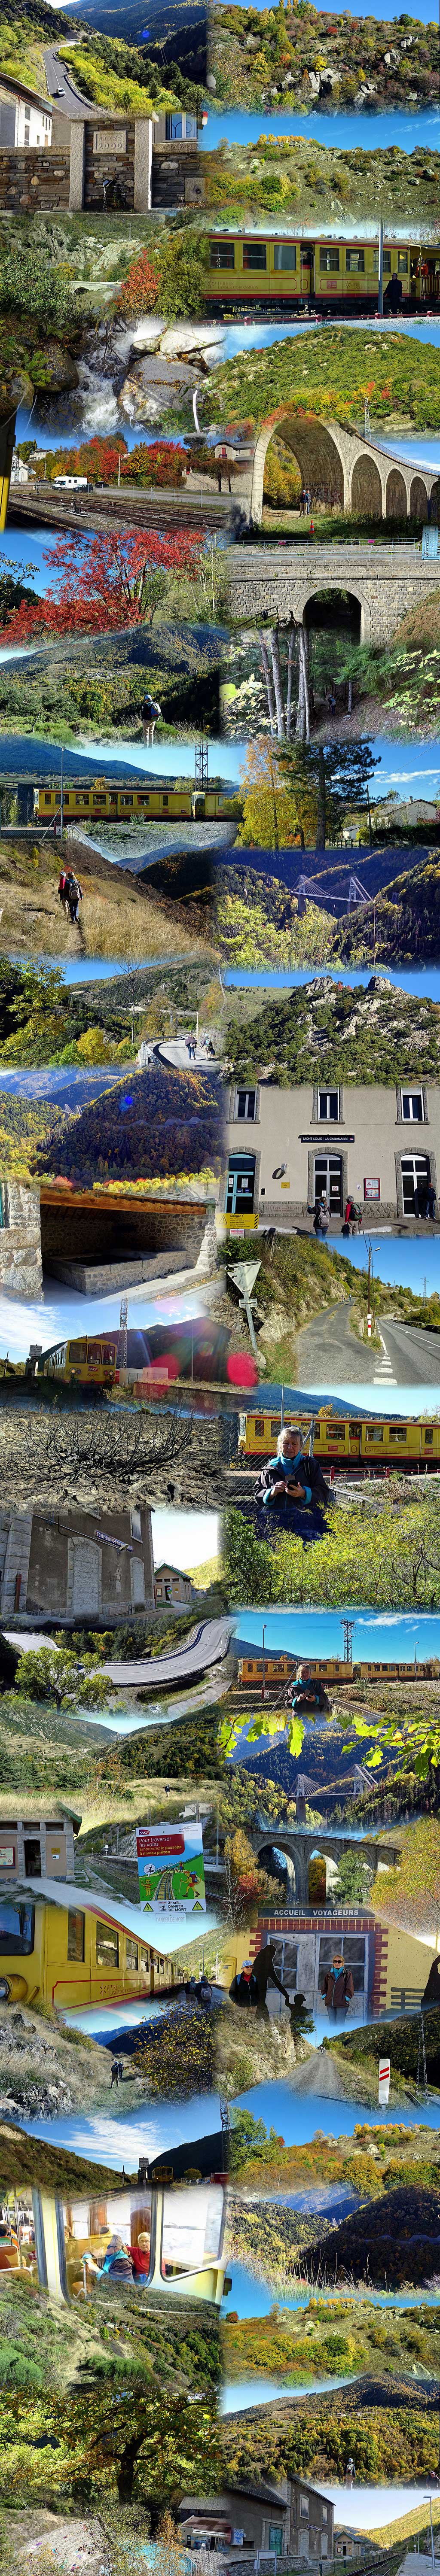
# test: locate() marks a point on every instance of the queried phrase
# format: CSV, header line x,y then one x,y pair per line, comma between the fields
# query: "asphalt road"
x,y
207,1645
70,104
330,1355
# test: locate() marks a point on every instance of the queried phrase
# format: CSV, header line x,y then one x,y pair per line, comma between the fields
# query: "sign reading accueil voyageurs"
x,y
171,1869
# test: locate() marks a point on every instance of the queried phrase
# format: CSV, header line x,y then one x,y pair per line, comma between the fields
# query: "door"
x,y
415,1183
86,1590
307,268
328,1181
137,1583
240,1185
32,1858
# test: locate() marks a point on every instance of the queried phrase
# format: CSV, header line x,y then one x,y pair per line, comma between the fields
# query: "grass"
x,y
307,181
412,1893
116,919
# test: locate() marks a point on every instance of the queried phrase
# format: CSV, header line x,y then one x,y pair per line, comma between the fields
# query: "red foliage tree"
x,y
139,291
115,580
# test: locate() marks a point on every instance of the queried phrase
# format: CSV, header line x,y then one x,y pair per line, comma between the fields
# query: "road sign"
x,y
384,2079
244,1274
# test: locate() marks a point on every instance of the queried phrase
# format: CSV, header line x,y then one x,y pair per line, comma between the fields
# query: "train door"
x,y
415,1183
307,268
328,1182
198,807
240,1185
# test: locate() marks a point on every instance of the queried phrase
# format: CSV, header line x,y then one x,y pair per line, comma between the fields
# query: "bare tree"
x,y
280,715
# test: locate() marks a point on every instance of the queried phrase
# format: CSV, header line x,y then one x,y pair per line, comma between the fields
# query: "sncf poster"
x,y
171,1871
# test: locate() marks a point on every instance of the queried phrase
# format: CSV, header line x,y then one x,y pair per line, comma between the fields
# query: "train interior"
x,y
144,2238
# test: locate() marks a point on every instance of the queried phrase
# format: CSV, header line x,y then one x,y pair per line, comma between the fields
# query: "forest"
x,y
398,926
67,2371
316,2441
166,1127
396,686
346,2335
360,62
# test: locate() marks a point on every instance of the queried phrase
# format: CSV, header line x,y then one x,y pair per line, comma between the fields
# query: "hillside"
x,y
301,180
330,376
355,62
122,915
323,1028
406,920
365,2047
82,687
104,68
167,1125
396,2239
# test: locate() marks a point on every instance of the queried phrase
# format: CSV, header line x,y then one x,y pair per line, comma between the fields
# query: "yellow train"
x,y
100,803
71,1954
249,269
340,1442
326,1668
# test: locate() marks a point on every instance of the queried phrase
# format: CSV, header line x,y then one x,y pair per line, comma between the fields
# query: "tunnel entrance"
x,y
336,611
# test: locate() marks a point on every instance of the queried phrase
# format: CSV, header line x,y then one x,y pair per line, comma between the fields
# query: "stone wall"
x,y
386,585
32,177
20,1241
115,161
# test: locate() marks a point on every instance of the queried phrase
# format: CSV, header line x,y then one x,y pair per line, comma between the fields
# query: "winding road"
x,y
70,102
207,1644
329,1354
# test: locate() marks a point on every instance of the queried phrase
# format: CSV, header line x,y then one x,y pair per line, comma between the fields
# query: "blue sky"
x,y
53,1317
405,1262
392,1634
342,131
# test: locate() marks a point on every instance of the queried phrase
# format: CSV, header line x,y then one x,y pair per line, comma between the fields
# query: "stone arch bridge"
x,y
302,1841
357,474
383,582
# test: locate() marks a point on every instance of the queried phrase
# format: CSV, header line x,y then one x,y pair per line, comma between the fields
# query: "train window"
x,y
165,800
274,1428
387,263
328,1104
259,1429
76,1928
355,262
77,1350
245,1104
222,254
375,1431
131,1953
397,1431
192,2231
284,255
48,795
413,1107
402,263
254,254
328,259
16,1926
107,1945
428,1432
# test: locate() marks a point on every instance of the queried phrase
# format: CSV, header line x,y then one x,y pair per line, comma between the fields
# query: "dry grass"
x,y
116,920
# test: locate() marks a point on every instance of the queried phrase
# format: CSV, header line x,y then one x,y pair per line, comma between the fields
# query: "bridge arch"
x,y
319,454
396,496
418,498
366,487
360,607
435,503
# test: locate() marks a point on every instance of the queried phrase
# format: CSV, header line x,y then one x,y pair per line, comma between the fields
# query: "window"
x,y
413,1107
275,2537
135,1524
131,1953
165,801
285,255
402,263
254,254
374,1431
398,1431
304,2507
107,1946
386,263
328,1104
328,259
16,1927
328,1181
173,129
245,1104
428,1434
222,254
355,262
76,1926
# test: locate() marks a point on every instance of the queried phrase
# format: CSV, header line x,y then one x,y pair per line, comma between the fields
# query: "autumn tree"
x,y
116,579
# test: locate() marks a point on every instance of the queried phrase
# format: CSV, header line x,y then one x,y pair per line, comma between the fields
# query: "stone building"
x,y
286,1150
290,2520
56,1565
95,159
38,1849
171,1588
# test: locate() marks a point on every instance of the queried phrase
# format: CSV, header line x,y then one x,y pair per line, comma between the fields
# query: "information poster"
x,y
171,1869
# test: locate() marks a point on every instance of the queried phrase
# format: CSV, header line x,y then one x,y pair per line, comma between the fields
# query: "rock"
x,y
211,81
